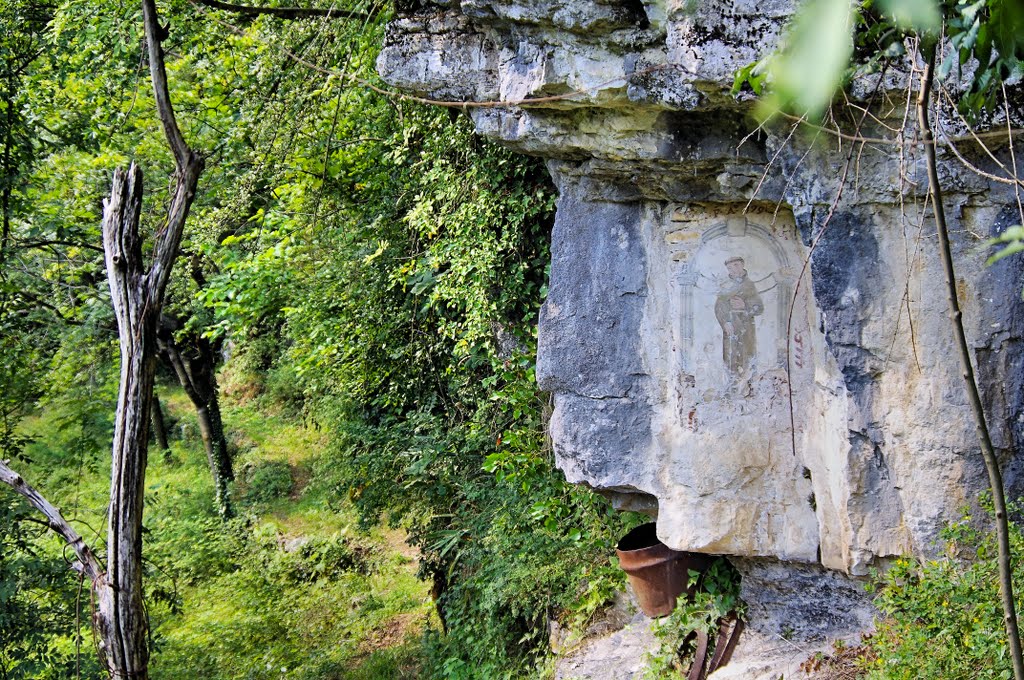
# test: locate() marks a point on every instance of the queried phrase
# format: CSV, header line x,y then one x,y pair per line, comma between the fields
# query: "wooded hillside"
x,y
353,262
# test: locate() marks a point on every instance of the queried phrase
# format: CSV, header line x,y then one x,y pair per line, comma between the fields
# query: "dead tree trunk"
x,y
120,615
137,297
159,429
195,365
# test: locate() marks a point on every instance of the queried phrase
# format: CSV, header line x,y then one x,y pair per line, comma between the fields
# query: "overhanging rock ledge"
x,y
681,315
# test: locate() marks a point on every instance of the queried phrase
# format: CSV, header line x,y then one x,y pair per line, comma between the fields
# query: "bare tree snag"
x,y
120,616
137,298
970,384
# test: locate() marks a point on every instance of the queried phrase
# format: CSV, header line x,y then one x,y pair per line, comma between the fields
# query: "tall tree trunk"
x,y
159,430
195,367
120,614
970,384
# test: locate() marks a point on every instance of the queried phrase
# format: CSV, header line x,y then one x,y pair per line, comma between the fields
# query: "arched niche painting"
x,y
734,287
729,474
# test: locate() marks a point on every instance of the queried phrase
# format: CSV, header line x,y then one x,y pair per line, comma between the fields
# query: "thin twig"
x,y
792,176
764,175
945,141
800,277
970,383
78,628
975,135
288,12
905,299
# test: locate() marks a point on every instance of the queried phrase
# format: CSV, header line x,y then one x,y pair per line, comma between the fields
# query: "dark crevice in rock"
x,y
708,134
847,279
407,7
638,13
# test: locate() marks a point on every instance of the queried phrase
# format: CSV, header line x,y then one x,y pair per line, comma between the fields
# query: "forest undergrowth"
x,y
292,587
376,271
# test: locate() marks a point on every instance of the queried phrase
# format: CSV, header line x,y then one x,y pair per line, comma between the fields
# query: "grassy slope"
x,y
290,588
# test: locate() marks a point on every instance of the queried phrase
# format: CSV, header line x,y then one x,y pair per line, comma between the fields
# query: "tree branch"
x,y
36,300
50,242
189,163
289,12
88,563
121,241
176,362
158,73
970,383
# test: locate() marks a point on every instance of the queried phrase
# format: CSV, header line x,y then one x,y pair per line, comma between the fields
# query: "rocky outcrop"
x,y
746,330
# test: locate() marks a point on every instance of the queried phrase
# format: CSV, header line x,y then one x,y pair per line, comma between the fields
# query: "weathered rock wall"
x,y
746,330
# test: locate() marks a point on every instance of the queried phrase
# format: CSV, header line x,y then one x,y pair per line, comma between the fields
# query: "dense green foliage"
x,y
942,617
413,345
290,583
373,268
289,588
37,600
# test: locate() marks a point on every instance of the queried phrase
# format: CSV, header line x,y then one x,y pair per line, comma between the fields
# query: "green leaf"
x,y
820,42
1011,249
948,63
921,16
970,12
1014,233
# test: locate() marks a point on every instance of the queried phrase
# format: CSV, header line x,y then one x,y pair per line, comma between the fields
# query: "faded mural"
x,y
738,303
724,425
737,273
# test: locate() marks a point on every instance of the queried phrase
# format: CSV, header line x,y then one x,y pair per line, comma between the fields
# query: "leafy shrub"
x,y
37,601
943,617
267,481
320,558
718,596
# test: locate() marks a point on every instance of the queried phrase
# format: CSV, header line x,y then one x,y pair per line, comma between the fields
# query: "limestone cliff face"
x,y
745,332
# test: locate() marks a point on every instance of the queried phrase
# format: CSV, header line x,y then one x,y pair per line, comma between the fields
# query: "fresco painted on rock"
x,y
731,477
737,305
735,290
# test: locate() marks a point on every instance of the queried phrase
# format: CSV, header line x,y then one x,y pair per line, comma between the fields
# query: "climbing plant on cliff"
x,y
975,46
408,333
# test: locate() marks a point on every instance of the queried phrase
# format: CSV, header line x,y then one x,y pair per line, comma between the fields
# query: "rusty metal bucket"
x,y
658,574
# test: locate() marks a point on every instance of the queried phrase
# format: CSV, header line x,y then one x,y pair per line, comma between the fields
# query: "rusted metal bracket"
x,y
729,629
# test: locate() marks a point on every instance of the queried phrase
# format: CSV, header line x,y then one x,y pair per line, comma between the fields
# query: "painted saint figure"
x,y
735,308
